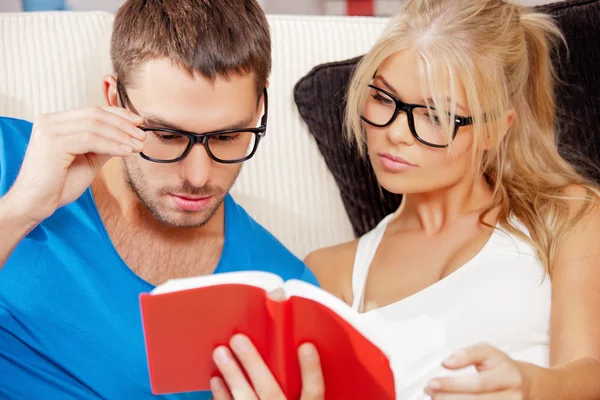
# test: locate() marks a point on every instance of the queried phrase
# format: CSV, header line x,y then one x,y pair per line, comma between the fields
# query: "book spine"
x,y
280,343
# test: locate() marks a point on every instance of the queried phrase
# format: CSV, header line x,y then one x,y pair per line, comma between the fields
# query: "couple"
x,y
453,106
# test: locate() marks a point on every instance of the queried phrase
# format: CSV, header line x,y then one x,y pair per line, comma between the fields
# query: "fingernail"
x,y
137,144
240,343
140,134
215,385
277,295
434,385
126,148
308,352
454,358
220,355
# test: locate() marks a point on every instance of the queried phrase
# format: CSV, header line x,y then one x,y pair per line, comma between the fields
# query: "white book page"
x,y
298,288
302,289
263,280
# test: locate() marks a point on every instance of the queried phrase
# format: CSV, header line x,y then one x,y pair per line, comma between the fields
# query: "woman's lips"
x,y
395,163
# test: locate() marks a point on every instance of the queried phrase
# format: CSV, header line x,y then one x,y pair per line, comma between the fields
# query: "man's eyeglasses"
x,y
165,145
382,108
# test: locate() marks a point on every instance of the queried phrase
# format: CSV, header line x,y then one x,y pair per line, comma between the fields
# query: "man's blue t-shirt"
x,y
70,325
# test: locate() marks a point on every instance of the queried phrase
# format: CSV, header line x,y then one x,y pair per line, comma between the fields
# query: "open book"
x,y
184,320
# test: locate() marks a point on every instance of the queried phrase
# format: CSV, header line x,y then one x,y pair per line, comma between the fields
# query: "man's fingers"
x,y
90,112
95,120
74,130
124,113
313,385
262,379
219,390
233,375
92,143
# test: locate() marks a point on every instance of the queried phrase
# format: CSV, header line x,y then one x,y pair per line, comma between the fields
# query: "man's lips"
x,y
190,203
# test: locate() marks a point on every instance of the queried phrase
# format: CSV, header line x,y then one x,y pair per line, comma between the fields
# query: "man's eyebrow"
x,y
154,121
429,100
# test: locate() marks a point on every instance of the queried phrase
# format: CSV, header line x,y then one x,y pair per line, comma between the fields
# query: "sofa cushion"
x,y
320,98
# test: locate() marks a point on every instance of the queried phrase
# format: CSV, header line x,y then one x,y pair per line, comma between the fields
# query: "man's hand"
x,y
66,151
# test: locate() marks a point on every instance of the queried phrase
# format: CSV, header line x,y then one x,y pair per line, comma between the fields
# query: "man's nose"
x,y
196,167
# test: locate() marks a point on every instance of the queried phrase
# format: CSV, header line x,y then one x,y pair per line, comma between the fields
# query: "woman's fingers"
x,y
263,384
262,379
313,385
219,390
233,375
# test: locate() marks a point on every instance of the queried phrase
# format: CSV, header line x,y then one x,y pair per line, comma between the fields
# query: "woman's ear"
x,y
511,115
109,90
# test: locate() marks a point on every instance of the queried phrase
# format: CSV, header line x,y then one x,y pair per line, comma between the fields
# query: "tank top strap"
x,y
365,252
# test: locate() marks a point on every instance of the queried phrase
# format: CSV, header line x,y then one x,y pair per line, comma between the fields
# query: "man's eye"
x,y
226,138
167,137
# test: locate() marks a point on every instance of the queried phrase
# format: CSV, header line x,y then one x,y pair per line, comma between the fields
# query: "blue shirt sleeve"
x,y
14,136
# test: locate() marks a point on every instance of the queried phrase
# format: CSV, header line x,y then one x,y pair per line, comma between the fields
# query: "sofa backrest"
x,y
55,61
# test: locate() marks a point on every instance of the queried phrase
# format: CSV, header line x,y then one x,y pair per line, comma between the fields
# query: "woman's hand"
x,y
499,377
262,384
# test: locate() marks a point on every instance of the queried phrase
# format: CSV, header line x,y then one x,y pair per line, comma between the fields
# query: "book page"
x,y
260,279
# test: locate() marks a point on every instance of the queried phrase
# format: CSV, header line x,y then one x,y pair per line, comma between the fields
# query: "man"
x,y
101,204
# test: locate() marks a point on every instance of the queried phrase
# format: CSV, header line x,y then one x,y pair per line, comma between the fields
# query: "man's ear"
x,y
109,90
510,120
261,102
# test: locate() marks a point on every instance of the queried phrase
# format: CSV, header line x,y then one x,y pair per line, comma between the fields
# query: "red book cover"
x,y
183,327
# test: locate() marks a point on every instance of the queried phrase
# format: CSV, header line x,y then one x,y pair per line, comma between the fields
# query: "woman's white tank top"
x,y
502,296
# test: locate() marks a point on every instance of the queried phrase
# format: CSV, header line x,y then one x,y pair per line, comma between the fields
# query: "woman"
x,y
496,235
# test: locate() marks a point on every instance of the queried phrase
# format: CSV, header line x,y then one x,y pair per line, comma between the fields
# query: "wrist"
x,y
15,215
537,382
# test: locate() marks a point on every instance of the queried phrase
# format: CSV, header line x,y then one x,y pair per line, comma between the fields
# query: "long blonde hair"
x,y
501,53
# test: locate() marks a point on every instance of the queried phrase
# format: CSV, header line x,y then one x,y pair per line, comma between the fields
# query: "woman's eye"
x,y
381,99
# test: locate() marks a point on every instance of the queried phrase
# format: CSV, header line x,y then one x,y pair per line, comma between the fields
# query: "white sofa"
x,y
55,61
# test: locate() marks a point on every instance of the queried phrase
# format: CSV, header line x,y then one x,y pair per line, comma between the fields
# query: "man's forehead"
x,y
163,70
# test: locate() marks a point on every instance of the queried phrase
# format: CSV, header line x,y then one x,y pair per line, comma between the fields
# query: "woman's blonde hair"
x,y
501,53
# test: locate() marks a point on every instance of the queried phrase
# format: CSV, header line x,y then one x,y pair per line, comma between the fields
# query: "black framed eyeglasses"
x,y
382,108
231,146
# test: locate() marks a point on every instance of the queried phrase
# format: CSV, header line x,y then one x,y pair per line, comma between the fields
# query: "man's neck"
x,y
154,251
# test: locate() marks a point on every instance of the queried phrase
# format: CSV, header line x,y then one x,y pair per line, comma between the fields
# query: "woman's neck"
x,y
432,211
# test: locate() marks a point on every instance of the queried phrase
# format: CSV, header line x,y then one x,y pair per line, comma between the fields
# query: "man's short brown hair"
x,y
210,37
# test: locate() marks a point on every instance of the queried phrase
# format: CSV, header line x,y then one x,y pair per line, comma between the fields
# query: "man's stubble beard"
x,y
137,183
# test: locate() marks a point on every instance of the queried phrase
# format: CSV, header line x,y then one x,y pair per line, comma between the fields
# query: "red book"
x,y
185,320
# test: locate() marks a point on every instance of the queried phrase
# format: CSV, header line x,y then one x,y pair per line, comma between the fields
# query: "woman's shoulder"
x,y
333,266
